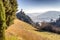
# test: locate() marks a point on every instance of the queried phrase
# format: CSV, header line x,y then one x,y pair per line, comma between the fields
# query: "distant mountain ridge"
x,y
45,16
50,14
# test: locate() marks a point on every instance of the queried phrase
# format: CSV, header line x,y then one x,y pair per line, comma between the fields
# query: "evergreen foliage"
x,y
2,21
10,10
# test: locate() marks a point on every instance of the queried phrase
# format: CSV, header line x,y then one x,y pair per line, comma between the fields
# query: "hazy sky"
x,y
38,6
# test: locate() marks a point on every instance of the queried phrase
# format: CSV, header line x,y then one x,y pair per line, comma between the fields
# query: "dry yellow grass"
x,y
23,25
51,36
23,30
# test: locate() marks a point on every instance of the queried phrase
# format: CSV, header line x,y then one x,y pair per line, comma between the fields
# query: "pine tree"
x,y
2,21
13,10
10,10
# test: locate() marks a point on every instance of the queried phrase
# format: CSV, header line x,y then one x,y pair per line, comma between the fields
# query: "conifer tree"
x,y
2,21
10,10
13,11
7,10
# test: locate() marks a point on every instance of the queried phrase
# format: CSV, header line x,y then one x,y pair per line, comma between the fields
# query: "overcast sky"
x,y
38,6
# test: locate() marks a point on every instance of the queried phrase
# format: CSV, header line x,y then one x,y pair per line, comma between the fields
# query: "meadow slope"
x,y
24,31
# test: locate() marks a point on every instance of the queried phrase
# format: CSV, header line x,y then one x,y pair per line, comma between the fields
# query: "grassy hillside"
x,y
23,31
49,35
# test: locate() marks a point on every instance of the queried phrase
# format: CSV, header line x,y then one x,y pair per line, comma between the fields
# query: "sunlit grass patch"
x,y
27,32
51,36
11,38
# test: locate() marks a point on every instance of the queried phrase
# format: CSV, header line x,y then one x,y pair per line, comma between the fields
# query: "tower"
x,y
21,11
